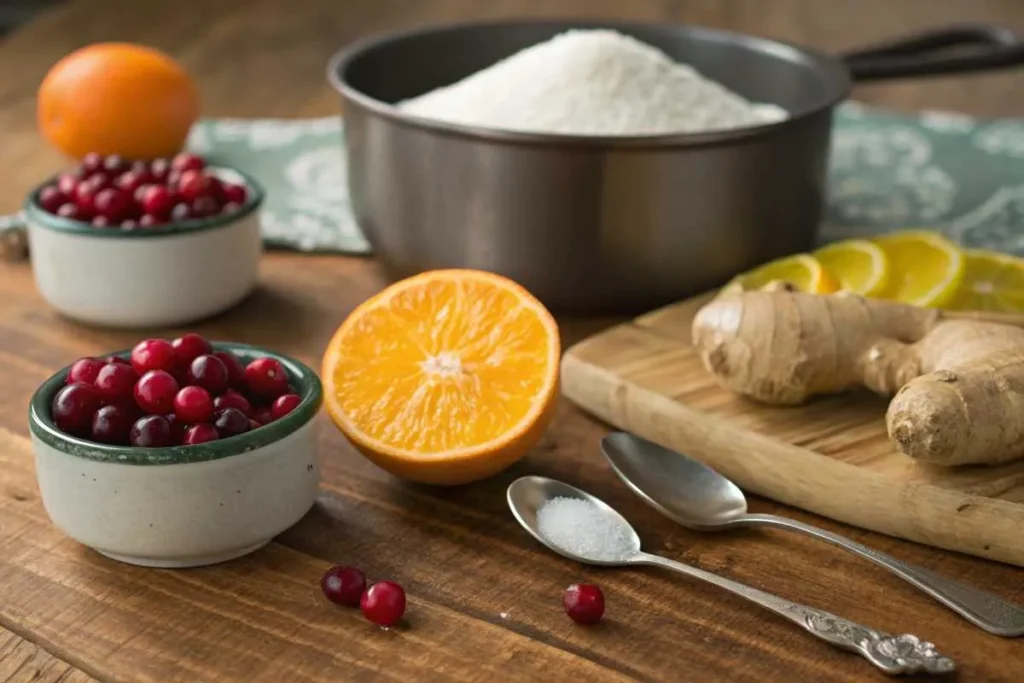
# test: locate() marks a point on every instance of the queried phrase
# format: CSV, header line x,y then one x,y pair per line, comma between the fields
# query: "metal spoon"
x,y
700,498
892,654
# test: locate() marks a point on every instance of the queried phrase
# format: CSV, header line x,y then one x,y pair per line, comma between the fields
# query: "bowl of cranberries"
x,y
177,453
145,243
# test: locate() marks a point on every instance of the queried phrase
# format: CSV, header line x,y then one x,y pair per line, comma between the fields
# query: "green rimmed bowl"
x,y
181,506
153,277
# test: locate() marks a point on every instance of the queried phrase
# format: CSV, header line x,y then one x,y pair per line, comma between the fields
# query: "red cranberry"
x,y
111,425
85,196
129,224
113,165
112,204
264,416
84,370
92,162
203,207
284,404
51,198
208,371
153,354
231,421
200,433
151,431
157,201
187,161
195,184
97,181
584,603
189,346
181,212
173,180
155,392
73,408
232,399
383,603
115,382
343,585
67,183
149,221
193,404
236,372
234,193
159,168
100,222
117,360
266,377
129,182
71,211
178,428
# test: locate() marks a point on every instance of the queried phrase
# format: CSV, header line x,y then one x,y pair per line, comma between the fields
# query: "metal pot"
x,y
609,224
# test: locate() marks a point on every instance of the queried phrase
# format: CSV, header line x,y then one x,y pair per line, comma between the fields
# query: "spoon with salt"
x,y
581,527
691,493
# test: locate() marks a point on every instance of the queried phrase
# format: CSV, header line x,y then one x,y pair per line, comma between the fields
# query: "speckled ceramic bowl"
x,y
162,276
181,506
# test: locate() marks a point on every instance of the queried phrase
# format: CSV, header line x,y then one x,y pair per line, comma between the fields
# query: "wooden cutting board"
x,y
831,457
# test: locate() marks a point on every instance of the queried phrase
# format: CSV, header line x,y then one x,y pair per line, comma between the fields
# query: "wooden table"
x,y
484,598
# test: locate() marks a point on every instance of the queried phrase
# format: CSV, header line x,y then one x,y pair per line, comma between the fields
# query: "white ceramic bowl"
x,y
154,277
181,506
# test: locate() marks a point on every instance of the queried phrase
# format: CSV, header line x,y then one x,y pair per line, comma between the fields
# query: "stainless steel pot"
x,y
609,224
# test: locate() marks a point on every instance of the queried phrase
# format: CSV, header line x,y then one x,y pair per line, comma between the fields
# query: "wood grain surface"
x,y
484,598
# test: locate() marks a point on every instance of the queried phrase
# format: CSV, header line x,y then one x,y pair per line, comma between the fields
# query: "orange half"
x,y
446,377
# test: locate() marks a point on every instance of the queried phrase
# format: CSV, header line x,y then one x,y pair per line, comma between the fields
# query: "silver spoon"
x,y
700,498
892,654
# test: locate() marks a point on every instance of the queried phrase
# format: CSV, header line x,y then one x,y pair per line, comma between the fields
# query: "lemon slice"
x,y
803,271
925,269
992,282
859,266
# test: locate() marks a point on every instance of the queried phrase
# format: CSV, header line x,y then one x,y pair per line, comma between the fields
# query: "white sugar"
x,y
591,82
581,528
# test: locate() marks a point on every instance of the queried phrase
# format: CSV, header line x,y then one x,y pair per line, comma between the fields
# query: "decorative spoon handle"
x,y
981,608
902,654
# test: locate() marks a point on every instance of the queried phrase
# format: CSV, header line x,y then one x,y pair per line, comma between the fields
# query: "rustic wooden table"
x,y
484,598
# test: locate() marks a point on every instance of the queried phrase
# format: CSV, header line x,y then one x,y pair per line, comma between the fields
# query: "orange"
x,y
446,377
117,98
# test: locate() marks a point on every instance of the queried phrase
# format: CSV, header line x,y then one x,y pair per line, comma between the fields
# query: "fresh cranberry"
x,y
230,208
584,603
115,382
189,346
181,212
187,161
196,184
114,165
208,371
157,201
266,377
178,428
71,211
284,404
85,197
128,182
383,603
117,360
173,180
92,162
151,431
111,425
193,404
234,193
73,408
51,198
203,207
264,416
100,222
112,204
149,221
343,585
129,224
236,372
153,354
159,168
231,421
97,181
155,392
84,370
142,172
200,433
67,182
232,399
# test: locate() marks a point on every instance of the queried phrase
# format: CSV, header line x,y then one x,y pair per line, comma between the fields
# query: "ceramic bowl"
x,y
181,506
156,277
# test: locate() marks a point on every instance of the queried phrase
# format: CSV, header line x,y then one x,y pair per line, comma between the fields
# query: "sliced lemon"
x,y
992,282
925,269
803,271
859,266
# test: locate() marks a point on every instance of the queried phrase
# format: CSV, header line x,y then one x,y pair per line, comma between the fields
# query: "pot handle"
x,y
952,50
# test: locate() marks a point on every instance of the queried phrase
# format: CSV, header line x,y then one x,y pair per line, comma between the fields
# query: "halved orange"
x,y
446,377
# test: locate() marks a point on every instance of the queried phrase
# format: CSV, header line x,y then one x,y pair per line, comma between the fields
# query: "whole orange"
x,y
117,98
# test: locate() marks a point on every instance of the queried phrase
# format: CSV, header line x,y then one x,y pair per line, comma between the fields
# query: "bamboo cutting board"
x,y
831,456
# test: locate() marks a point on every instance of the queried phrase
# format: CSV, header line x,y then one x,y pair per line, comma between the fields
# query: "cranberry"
x,y
112,424
181,212
97,181
113,165
115,382
141,170
266,377
343,585
193,404
264,416
231,421
128,182
85,195
51,198
159,168
129,224
204,207
284,404
196,184
117,360
151,431
200,433
232,399
67,183
230,208
236,373
157,201
153,354
234,193
173,180
71,211
584,603
208,371
149,221
383,603
112,204
84,370
155,392
73,408
178,428
253,424
189,346
92,162
186,161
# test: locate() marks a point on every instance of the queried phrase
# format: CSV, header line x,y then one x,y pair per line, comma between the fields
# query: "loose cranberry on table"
x,y
584,603
383,603
343,585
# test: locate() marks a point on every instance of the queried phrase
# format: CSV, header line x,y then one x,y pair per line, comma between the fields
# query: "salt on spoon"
x,y
581,528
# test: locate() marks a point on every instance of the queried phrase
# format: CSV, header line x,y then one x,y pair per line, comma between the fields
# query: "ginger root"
x,y
958,384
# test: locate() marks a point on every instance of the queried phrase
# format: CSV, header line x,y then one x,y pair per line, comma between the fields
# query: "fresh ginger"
x,y
958,384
